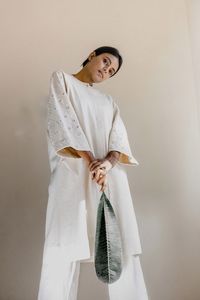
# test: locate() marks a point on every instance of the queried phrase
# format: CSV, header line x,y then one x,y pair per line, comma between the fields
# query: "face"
x,y
102,67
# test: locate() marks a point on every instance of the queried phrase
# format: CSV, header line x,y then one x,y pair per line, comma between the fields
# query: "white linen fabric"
x,y
60,279
82,117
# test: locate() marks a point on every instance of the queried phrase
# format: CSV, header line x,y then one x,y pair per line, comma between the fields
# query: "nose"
x,y
105,69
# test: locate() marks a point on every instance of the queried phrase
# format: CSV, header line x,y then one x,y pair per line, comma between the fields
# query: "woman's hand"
x,y
102,181
99,166
98,174
106,163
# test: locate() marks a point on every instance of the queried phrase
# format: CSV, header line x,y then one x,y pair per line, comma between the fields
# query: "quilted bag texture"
x,y
108,245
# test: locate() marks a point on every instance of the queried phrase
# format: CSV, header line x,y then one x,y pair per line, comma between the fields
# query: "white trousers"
x,y
60,278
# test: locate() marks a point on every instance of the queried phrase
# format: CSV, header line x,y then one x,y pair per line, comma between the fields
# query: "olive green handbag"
x,y
108,245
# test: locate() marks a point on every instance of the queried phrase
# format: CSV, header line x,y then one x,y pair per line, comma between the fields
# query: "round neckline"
x,y
81,82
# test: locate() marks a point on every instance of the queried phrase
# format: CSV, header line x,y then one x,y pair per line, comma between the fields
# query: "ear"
x,y
91,55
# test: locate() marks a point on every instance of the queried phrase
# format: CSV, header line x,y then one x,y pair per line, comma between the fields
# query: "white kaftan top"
x,y
84,118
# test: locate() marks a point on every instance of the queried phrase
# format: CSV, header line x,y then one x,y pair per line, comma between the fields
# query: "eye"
x,y
106,60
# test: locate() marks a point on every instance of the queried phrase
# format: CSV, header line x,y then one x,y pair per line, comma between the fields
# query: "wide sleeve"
x,y
118,138
63,127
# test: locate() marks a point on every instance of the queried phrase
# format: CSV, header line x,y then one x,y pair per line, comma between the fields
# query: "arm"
x,y
113,157
87,155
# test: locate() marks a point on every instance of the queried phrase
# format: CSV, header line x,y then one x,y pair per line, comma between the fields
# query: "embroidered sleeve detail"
x,y
118,139
63,127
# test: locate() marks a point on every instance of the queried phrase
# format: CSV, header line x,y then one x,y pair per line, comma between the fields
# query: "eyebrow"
x,y
110,62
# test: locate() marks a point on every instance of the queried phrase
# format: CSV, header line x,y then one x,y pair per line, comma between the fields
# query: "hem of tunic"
x,y
91,258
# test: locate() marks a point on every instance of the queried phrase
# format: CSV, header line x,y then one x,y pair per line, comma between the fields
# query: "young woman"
x,y
88,147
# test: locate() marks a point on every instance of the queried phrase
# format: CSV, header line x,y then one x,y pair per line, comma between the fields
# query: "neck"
x,y
82,76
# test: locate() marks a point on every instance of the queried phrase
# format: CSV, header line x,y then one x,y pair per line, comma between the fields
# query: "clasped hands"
x,y
99,169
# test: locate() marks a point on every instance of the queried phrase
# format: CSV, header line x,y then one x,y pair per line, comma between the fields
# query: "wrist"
x,y
87,155
109,165
113,157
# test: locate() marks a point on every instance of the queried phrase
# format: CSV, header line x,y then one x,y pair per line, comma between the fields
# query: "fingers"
x,y
97,174
93,177
101,180
97,167
97,164
94,164
97,180
104,185
106,165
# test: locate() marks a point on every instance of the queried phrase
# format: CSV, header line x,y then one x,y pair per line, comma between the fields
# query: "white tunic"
x,y
84,118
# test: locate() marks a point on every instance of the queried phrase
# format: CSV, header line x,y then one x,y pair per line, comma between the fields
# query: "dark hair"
x,y
107,49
